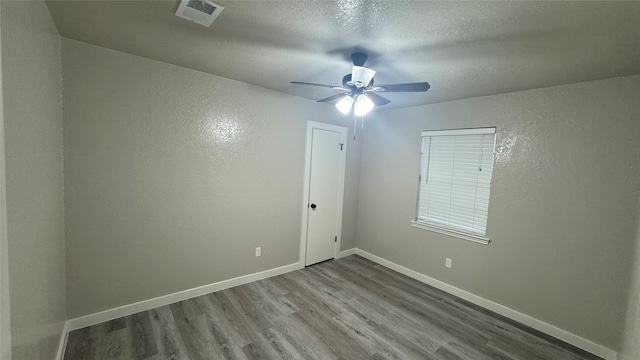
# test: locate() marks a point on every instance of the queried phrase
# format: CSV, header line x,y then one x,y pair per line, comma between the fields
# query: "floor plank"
x,y
350,308
167,336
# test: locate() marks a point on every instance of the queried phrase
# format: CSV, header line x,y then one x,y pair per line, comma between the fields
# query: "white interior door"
x,y
326,167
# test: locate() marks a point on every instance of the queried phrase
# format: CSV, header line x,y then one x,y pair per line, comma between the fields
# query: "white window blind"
x,y
455,180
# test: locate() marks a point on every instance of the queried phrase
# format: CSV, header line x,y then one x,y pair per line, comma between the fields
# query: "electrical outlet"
x,y
447,262
258,251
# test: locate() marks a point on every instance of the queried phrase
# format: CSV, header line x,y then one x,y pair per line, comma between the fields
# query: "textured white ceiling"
x,y
463,49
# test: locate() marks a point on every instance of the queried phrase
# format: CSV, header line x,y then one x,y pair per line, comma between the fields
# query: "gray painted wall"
x,y
31,69
630,347
173,177
5,310
562,216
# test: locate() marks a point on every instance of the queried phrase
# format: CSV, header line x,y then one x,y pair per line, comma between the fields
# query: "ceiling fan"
x,y
359,91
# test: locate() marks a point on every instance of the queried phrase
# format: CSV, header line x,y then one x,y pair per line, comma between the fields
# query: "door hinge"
x,y
336,240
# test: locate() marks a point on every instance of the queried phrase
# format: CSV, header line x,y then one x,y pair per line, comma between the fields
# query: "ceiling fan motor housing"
x,y
359,58
346,82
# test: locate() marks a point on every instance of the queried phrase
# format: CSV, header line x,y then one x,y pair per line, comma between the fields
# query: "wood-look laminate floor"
x,y
349,309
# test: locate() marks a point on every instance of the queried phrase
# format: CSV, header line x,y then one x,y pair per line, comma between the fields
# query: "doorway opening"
x,y
323,197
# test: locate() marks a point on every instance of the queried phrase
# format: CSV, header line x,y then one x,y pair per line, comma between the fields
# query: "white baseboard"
x,y
345,253
548,329
111,314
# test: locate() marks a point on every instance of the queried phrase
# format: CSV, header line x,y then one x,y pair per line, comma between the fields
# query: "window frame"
x,y
482,239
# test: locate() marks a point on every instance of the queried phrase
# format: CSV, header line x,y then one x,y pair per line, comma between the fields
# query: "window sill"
x,y
468,237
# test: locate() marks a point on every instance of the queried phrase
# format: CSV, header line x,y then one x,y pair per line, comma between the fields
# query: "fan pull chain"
x,y
355,126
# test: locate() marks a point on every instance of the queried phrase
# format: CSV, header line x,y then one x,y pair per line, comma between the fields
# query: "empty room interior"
x,y
177,183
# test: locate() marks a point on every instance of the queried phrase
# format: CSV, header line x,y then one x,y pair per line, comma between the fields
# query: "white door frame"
x,y
307,176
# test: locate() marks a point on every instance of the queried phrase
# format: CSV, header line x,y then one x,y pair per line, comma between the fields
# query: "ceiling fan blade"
x,y
377,99
408,87
333,97
337,87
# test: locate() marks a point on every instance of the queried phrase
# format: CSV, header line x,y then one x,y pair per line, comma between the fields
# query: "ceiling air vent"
x,y
202,12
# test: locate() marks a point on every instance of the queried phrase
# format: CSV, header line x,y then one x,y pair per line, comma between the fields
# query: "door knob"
x,y
313,206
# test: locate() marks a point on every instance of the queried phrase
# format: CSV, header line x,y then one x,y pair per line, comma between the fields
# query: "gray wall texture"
x,y
5,310
630,347
562,213
32,86
173,177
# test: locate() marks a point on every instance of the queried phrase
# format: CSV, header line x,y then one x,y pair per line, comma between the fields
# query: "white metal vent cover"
x,y
202,12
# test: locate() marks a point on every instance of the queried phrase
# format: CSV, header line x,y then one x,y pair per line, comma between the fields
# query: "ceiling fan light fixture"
x,y
363,105
358,91
361,76
345,104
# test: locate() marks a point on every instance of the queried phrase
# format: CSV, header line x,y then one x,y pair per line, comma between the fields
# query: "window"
x,y
454,182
